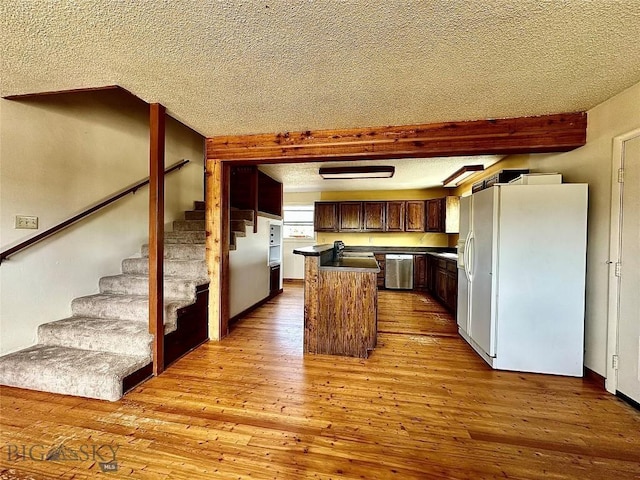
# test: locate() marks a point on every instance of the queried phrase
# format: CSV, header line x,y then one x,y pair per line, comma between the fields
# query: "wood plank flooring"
x,y
422,406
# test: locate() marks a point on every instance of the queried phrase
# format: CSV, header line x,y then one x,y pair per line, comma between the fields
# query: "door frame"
x,y
613,321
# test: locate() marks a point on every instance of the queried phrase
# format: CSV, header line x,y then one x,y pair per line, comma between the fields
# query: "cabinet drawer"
x,y
452,266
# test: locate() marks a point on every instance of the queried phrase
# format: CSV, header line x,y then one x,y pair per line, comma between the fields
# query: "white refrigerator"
x,y
521,276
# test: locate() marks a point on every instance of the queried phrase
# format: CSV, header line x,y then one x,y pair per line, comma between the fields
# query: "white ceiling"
x,y
409,174
259,66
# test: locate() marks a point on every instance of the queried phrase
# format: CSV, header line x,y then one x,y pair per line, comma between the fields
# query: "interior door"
x,y
628,300
481,325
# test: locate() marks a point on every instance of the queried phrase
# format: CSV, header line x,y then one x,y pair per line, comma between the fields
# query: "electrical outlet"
x,y
26,221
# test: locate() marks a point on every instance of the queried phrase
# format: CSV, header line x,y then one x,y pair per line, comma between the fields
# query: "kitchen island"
x,y
340,302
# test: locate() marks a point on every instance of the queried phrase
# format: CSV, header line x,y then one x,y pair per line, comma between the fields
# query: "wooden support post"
x,y
217,224
156,233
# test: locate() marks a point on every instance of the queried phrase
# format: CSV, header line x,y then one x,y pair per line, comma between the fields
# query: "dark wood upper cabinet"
x,y
435,215
414,216
443,215
350,214
394,216
374,216
326,217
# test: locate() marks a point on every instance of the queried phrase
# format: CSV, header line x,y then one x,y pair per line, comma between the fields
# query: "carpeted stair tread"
x,y
102,334
124,284
192,269
186,236
180,251
247,215
70,371
194,215
125,307
188,225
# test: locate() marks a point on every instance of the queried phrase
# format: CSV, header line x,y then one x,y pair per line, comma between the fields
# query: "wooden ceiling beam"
x,y
547,133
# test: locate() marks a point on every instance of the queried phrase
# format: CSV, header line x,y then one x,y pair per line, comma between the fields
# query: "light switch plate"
x,y
26,222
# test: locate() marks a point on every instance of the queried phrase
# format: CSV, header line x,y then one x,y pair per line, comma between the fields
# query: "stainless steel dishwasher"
x,y
398,271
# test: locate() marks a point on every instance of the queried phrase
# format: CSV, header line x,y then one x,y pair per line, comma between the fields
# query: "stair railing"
x,y
85,213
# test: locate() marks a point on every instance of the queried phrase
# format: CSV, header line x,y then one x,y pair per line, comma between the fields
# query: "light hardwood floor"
x,y
422,406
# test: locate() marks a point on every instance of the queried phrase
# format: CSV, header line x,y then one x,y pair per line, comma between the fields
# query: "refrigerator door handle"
x,y
469,253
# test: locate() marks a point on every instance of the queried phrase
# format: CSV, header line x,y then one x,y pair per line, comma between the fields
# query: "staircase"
x,y
104,348
240,220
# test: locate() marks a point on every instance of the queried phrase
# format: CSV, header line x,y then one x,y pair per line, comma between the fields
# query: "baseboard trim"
x,y
294,281
247,311
594,377
628,400
134,379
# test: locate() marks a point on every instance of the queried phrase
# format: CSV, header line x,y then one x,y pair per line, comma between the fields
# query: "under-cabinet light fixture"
x,y
373,171
461,174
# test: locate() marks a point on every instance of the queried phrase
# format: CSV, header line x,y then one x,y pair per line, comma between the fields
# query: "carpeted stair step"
x,y
188,225
179,288
102,334
240,225
186,236
194,215
180,251
192,269
70,371
125,307
246,215
198,205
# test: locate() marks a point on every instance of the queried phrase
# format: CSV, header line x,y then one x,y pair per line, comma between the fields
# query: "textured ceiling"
x,y
234,67
414,173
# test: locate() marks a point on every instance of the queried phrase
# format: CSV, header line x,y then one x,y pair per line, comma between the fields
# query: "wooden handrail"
x,y
55,229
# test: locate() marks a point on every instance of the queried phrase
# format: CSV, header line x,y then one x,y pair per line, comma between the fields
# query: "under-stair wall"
x,y
60,154
249,269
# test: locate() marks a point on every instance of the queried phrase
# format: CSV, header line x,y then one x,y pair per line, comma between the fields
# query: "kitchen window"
x,y
298,222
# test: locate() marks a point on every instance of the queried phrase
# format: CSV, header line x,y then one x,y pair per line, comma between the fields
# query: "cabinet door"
x,y
374,216
415,217
419,272
452,292
435,215
350,216
274,279
431,273
326,217
441,285
395,216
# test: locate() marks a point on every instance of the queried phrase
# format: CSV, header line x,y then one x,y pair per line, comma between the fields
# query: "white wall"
x,y
293,265
249,268
59,155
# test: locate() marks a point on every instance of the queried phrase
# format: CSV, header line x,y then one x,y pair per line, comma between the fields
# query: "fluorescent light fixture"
x,y
462,174
373,171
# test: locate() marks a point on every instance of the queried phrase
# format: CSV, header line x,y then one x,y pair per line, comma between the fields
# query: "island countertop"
x,y
313,251
359,264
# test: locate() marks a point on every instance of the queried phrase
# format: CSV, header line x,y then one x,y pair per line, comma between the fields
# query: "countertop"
x,y
314,251
364,253
391,250
445,255
353,264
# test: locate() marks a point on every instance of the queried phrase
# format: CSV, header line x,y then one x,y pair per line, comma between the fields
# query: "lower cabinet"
x,y
420,272
442,281
274,279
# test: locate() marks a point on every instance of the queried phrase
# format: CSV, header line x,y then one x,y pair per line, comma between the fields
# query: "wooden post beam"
x,y
156,233
547,133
